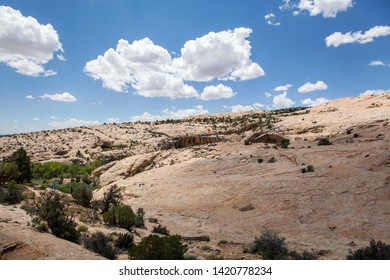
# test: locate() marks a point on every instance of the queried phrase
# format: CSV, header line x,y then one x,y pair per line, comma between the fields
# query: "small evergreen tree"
x,y
82,193
23,162
52,210
154,247
112,197
376,251
121,216
8,172
100,244
270,246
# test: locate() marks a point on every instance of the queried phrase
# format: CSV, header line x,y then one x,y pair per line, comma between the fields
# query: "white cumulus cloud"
x,y
377,63
36,119
373,91
267,94
244,108
328,8
271,19
73,122
315,102
282,101
29,97
142,65
222,55
62,97
217,92
283,88
25,44
336,39
171,114
309,87
113,120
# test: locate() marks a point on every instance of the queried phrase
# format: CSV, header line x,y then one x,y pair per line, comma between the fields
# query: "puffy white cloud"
x,y
171,114
54,118
315,102
336,39
328,8
373,91
222,55
283,88
113,120
63,97
29,97
309,87
271,19
267,94
282,101
73,122
244,108
143,65
36,119
151,71
377,63
217,92
25,44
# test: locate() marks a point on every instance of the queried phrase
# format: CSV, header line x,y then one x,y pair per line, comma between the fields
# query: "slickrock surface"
x,y
231,191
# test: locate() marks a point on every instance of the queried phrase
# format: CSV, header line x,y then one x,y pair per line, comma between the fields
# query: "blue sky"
x,y
84,62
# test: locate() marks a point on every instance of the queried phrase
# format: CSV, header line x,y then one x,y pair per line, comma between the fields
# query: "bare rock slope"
x,y
231,189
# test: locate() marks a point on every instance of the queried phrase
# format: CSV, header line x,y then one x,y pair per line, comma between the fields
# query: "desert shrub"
x,y
82,193
272,159
52,210
375,251
21,159
124,241
285,143
303,170
12,194
269,246
305,255
121,216
310,168
260,160
324,141
140,218
100,244
154,247
160,230
112,197
8,172
64,189
82,228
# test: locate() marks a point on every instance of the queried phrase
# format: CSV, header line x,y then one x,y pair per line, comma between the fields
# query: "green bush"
x,y
310,168
376,251
285,143
82,228
21,159
8,172
121,216
12,194
160,230
154,247
100,244
324,141
124,241
52,210
270,247
82,193
112,197
140,219
305,255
